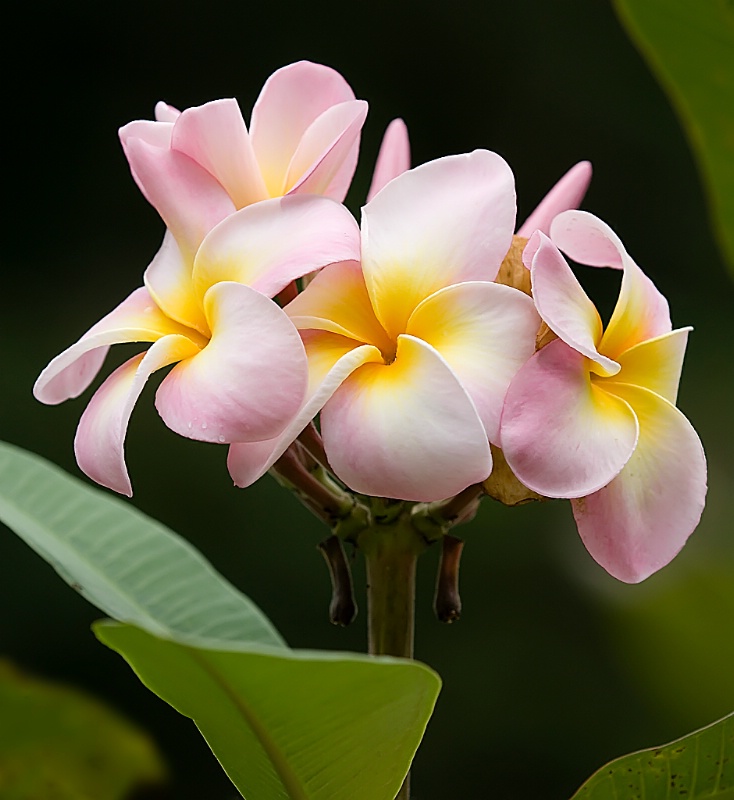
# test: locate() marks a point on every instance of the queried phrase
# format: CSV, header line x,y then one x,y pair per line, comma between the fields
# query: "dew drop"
x,y
222,438
203,426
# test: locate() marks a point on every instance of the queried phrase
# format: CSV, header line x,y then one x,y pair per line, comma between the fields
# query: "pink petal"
x,y
155,133
190,201
445,222
136,319
331,359
326,157
484,332
100,437
563,304
656,364
641,312
248,382
291,99
269,244
406,430
639,522
561,433
393,158
566,194
336,300
215,136
166,113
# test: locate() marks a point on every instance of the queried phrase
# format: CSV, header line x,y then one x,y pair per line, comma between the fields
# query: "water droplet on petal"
x,y
222,438
203,426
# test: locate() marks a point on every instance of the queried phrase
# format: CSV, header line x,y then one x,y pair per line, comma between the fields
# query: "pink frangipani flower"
x,y
242,370
411,349
592,415
198,166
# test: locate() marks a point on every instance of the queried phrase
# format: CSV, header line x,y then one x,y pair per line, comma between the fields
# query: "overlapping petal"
x,y
393,158
188,198
637,524
336,300
445,222
565,195
215,136
269,244
249,380
656,364
290,101
331,359
484,332
136,319
326,157
641,312
563,435
100,438
406,430
563,304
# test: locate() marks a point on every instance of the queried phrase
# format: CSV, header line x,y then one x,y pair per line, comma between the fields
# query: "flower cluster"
x,y
418,339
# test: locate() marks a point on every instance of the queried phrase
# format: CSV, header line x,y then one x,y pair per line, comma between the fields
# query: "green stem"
x,y
391,552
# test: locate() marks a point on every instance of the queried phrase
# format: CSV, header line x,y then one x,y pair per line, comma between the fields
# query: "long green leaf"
x,y
297,726
698,766
283,723
130,566
689,45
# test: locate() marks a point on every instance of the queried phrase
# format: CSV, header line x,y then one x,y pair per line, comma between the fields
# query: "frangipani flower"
x,y
242,372
198,166
411,350
592,415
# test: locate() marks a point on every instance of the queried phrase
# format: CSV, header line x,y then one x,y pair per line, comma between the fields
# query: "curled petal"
x,y
563,304
291,99
189,199
166,113
136,319
656,364
215,136
331,359
565,195
445,222
641,312
406,430
393,158
100,437
326,157
336,300
563,435
637,524
484,332
269,244
156,133
248,382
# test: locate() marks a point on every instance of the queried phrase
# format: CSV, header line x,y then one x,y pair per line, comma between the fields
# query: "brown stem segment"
x,y
447,601
343,608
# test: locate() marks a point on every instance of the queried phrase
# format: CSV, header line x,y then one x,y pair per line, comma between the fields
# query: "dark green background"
x,y
555,667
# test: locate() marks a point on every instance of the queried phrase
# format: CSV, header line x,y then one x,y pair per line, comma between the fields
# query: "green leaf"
x,y
689,45
57,743
700,765
130,566
283,723
295,725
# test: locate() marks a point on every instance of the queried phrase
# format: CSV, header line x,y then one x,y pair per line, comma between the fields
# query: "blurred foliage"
x,y
695,767
690,47
57,743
